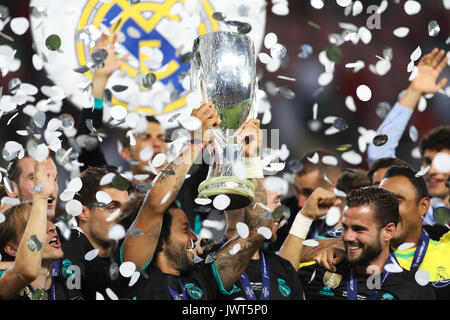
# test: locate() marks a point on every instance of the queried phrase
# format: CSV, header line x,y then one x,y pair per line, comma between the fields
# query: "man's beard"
x,y
369,253
177,256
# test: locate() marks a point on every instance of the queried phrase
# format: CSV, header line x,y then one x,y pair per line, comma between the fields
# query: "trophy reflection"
x,y
223,70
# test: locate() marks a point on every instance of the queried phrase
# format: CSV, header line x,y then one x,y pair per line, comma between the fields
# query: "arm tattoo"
x,y
230,267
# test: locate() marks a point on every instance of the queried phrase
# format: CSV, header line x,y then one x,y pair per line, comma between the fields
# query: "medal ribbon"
x,y
265,290
352,282
175,294
421,250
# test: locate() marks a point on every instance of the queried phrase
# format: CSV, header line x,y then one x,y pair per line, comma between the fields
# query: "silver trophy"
x,y
223,70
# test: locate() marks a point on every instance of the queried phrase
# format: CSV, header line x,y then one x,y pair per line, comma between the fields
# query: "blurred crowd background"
x,y
291,116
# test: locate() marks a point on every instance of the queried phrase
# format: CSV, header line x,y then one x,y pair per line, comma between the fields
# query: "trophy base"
x,y
240,191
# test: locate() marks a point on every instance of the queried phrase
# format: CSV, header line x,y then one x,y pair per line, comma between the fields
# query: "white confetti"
x,y
103,197
75,185
166,197
363,92
74,207
235,249
146,153
310,243
412,7
134,278
329,160
159,160
333,216
265,232
111,294
406,246
90,255
314,159
19,25
118,112
202,201
441,162
350,103
242,230
107,178
127,269
116,232
415,55
422,277
352,157
401,32
113,215
393,268
221,202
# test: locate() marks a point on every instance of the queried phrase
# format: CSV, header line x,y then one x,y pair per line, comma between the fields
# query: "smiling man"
x,y
435,145
369,224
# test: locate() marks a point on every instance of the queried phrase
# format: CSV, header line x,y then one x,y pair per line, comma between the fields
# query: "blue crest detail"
x,y
193,291
283,287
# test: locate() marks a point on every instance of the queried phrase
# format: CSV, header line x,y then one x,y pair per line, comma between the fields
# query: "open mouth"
x,y
54,242
353,247
191,248
51,200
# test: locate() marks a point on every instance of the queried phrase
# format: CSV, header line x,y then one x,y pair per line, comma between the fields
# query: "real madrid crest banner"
x,y
156,34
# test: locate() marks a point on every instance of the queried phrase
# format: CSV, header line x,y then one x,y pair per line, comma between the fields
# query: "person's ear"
x,y
84,215
15,191
388,232
424,205
11,248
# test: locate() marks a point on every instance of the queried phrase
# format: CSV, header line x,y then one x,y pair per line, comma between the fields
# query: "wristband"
x,y
254,168
300,226
98,103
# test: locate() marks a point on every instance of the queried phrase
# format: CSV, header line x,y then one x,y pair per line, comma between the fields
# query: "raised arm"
x,y
100,78
139,249
317,205
429,68
28,262
231,266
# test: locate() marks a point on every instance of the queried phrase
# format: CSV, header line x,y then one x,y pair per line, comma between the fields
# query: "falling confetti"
x,y
34,244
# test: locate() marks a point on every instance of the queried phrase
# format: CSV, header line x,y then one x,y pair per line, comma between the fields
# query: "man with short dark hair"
x,y
435,148
368,273
318,168
380,166
92,236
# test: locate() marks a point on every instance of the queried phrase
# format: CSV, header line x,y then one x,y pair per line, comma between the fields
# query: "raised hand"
x,y
209,117
318,203
250,134
40,177
111,64
429,68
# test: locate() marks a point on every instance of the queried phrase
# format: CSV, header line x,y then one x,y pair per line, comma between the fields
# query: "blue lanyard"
x,y
352,283
55,269
175,294
265,290
421,250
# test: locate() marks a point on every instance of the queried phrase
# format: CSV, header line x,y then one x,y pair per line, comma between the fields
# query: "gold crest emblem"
x,y
331,279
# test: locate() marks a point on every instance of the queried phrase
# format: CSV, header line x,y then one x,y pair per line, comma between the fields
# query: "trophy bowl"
x,y
223,71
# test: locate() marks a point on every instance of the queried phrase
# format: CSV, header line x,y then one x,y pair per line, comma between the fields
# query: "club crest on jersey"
x,y
442,275
283,287
193,291
332,280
